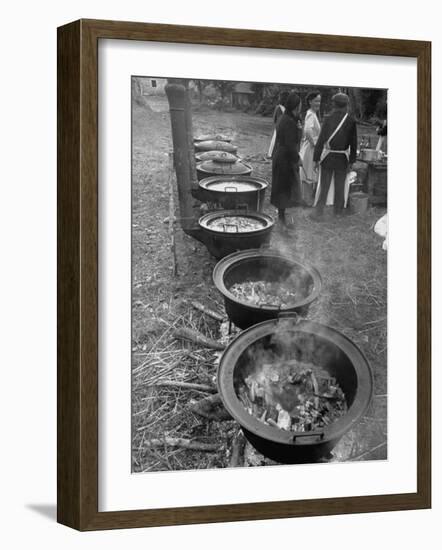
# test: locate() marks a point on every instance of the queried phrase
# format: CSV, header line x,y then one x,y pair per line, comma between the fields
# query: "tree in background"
x,y
225,88
366,104
200,85
137,93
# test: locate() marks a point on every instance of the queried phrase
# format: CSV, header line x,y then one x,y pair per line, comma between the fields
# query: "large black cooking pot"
x,y
234,191
267,265
223,239
312,342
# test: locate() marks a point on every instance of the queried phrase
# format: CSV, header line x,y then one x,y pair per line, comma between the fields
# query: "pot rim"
x,y
204,220
261,183
250,423
226,262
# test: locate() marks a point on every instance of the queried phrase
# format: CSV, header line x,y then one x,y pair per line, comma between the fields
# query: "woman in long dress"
x,y
312,128
286,160
277,114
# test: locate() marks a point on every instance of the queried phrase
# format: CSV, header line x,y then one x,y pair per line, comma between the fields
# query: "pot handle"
x,y
231,187
316,433
289,315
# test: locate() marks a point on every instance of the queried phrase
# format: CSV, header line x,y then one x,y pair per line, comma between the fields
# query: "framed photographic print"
x,y
243,275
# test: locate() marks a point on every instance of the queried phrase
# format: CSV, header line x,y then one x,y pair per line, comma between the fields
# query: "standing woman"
x,y
286,160
277,114
312,128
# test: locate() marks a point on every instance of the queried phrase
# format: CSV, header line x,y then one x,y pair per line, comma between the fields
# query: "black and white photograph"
x,y
259,274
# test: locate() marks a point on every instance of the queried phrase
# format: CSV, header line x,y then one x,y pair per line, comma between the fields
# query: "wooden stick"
x,y
375,321
365,453
185,333
207,311
172,217
211,408
184,444
315,389
239,445
186,385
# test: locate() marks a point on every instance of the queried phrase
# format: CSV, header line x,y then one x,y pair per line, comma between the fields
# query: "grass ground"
x,y
347,253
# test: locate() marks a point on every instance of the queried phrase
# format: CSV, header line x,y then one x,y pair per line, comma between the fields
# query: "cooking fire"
x,y
272,293
292,395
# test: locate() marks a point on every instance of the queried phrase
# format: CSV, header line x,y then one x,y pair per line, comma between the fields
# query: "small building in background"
x,y
242,95
153,86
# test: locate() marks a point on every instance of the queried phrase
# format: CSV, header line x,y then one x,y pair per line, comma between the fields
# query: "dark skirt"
x,y
286,185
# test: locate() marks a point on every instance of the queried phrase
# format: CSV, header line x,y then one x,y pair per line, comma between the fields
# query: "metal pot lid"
x,y
234,183
218,156
215,146
232,186
214,167
246,338
212,137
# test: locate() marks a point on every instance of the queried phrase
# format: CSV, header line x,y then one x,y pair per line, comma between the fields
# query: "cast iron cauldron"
x,y
267,265
222,243
321,345
234,191
213,145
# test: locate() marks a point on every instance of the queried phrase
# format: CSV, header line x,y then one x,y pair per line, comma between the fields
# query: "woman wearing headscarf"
x,y
286,160
277,114
312,128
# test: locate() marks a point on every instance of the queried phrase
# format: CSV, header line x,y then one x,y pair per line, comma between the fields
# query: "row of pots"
x,y
242,258
287,334
240,249
226,184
